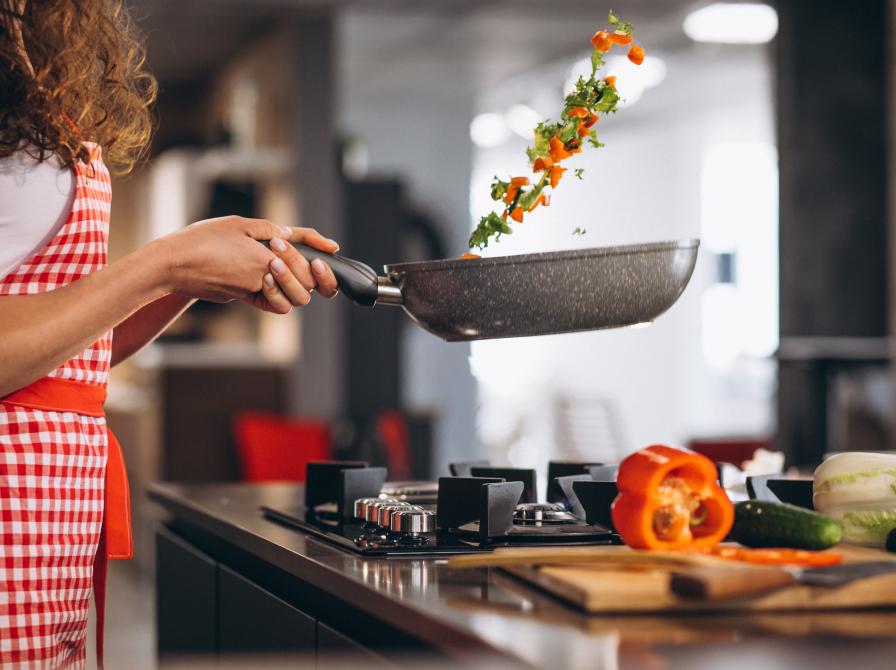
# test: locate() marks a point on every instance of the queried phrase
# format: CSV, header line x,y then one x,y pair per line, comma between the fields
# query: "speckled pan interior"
x,y
546,293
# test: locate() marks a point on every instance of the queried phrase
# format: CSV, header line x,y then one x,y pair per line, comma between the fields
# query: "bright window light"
x,y
739,216
489,130
632,80
581,68
732,23
522,120
723,339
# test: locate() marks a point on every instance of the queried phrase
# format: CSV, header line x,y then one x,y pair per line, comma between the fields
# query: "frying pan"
x,y
528,294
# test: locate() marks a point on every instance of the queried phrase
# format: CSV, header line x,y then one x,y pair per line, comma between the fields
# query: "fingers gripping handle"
x,y
357,281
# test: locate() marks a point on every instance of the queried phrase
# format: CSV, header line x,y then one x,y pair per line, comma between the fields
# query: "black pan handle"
x,y
357,281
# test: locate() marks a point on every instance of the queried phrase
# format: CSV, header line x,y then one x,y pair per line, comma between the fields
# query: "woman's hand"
x,y
221,260
292,278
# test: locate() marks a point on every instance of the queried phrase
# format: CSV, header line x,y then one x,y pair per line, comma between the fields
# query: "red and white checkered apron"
x,y
52,463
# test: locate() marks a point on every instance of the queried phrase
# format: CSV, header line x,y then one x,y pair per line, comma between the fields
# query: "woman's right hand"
x,y
221,259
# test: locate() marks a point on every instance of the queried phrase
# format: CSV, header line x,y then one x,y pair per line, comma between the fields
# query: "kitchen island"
x,y
230,581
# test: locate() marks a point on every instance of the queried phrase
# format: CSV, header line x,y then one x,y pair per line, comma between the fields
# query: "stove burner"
x,y
352,506
542,513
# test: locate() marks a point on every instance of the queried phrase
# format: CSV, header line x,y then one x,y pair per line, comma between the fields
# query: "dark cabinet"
x,y
186,596
252,619
205,607
334,648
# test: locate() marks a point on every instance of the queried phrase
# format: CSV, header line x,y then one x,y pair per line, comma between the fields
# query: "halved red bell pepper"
x,y
670,499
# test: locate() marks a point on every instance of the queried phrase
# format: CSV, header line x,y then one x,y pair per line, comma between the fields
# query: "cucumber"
x,y
759,523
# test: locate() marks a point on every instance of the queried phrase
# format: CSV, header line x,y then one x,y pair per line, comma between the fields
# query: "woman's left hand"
x,y
291,279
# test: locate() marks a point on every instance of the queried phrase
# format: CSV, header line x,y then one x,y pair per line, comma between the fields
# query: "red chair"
x,y
392,431
276,448
730,450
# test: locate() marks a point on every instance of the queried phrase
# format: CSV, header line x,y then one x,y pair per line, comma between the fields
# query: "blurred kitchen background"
x,y
760,129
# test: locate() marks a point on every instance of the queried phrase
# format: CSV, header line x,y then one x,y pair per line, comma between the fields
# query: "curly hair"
x,y
73,71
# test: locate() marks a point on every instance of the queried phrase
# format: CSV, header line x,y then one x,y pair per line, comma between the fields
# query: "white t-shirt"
x,y
35,201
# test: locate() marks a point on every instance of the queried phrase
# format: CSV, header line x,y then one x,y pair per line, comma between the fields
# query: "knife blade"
x,y
718,583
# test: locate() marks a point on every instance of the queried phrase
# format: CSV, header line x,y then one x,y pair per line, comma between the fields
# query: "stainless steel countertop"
x,y
483,610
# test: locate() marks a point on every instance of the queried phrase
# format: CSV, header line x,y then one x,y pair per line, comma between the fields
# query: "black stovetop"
x,y
473,514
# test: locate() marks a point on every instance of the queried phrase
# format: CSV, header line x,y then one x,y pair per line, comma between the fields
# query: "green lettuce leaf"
x,y
868,526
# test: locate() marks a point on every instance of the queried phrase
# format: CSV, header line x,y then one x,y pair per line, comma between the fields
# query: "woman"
x,y
73,89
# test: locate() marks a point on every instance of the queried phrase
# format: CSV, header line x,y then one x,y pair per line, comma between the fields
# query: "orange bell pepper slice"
x,y
601,41
782,556
578,112
619,38
591,121
540,200
670,499
583,130
469,256
517,214
636,54
542,163
610,81
512,190
555,175
558,150
519,181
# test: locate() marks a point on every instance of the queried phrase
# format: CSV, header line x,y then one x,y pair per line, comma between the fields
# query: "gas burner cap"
x,y
542,513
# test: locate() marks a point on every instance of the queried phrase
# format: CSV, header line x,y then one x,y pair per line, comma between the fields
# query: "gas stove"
x,y
352,505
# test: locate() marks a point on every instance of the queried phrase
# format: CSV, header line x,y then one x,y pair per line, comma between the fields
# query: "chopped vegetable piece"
x,y
636,54
619,38
579,172
621,26
556,173
669,499
578,231
468,256
556,141
785,556
558,150
601,41
541,200
510,196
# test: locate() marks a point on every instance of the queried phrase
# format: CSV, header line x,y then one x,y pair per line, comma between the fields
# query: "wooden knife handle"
x,y
718,583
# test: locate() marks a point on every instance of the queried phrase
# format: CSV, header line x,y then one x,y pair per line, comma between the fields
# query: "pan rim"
x,y
542,257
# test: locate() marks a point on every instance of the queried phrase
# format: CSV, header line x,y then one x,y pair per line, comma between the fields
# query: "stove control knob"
x,y
373,509
413,522
362,503
386,512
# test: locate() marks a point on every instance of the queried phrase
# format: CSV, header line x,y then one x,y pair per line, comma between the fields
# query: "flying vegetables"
x,y
555,141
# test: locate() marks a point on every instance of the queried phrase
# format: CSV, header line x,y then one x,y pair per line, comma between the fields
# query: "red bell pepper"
x,y
670,499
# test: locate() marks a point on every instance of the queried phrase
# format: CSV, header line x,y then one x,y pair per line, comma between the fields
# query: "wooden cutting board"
x,y
611,587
